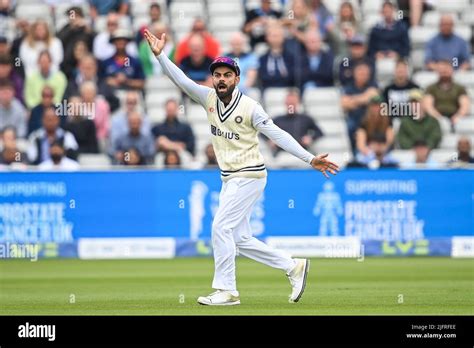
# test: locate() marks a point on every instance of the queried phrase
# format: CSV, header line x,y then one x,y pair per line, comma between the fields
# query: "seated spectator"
x,y
82,127
57,159
346,28
256,21
389,38
356,97
446,97
301,126
301,22
7,72
41,139
276,67
133,157
99,107
103,48
102,8
151,65
372,124
420,126
76,30
172,159
377,155
173,134
211,159
70,66
12,112
134,139
315,67
119,122
122,71
212,47
358,51
22,29
44,76
10,155
324,18
155,15
422,156
248,62
87,71
463,156
36,115
38,40
447,46
396,94
196,64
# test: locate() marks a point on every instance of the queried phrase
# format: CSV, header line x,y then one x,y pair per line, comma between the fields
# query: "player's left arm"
x,y
263,123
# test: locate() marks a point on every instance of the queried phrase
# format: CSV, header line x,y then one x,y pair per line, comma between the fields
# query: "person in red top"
x,y
212,46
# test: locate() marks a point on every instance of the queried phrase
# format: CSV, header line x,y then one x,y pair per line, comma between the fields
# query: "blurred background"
x,y
97,143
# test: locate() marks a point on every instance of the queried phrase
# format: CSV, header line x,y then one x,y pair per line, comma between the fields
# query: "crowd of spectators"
x,y
79,91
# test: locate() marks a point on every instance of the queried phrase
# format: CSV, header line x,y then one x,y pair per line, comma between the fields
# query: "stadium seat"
x,y
333,143
403,156
94,160
218,8
465,126
159,98
33,12
451,5
370,20
154,83
371,6
285,160
442,156
325,112
419,36
431,19
254,93
333,127
318,96
425,78
449,141
195,113
417,57
465,78
274,96
226,22
385,70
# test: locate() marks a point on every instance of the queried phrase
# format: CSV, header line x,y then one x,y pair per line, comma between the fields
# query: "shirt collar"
x,y
235,94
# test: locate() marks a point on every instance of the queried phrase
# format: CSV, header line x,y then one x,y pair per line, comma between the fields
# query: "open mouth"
x,y
221,88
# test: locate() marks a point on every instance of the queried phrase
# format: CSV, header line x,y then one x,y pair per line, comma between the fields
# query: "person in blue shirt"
x,y
248,62
389,38
196,65
446,45
122,71
103,7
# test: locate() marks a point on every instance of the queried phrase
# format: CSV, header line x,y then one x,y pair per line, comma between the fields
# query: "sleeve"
x,y
195,91
263,123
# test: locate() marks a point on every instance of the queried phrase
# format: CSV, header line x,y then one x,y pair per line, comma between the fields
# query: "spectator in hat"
x,y
276,67
196,65
447,46
358,54
102,8
7,72
103,48
419,125
373,123
396,93
41,139
314,67
122,71
57,159
257,20
300,125
212,46
38,40
421,154
356,97
76,30
173,134
46,75
446,97
389,38
12,112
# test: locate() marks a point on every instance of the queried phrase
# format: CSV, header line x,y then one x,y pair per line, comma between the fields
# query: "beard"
x,y
223,93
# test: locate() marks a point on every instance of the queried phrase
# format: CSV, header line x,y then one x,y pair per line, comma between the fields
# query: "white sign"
x,y
126,248
462,247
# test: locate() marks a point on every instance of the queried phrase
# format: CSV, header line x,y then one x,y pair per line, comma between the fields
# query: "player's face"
x,y
224,80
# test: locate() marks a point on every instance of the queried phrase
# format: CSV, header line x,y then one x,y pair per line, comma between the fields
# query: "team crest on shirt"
x,y
239,119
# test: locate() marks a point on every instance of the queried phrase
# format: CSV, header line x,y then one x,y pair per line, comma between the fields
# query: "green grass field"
x,y
170,287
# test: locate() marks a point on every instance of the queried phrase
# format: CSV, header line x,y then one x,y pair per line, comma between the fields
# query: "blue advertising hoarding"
x,y
384,205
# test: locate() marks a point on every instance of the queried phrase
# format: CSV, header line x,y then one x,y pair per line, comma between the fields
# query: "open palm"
x,y
156,44
324,165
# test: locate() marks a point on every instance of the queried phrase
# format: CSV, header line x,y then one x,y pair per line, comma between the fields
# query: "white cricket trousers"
x,y
231,232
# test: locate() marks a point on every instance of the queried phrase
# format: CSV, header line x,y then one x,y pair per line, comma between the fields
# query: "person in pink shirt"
x,y
100,111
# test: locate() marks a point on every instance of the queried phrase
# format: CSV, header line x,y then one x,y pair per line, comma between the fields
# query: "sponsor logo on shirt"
x,y
227,135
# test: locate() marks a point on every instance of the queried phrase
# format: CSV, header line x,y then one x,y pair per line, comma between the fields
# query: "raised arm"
x,y
263,123
195,91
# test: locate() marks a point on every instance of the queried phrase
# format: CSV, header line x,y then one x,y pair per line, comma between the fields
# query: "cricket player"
x,y
235,121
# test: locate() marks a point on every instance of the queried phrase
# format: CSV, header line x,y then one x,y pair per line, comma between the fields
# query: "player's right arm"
x,y
195,91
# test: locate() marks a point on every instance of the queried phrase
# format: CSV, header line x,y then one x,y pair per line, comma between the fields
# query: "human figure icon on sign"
x,y
328,206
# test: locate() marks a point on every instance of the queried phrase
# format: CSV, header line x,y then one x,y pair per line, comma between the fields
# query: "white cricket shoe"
x,y
220,298
297,278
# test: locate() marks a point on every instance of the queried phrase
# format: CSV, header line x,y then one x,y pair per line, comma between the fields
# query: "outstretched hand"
x,y
324,165
156,44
